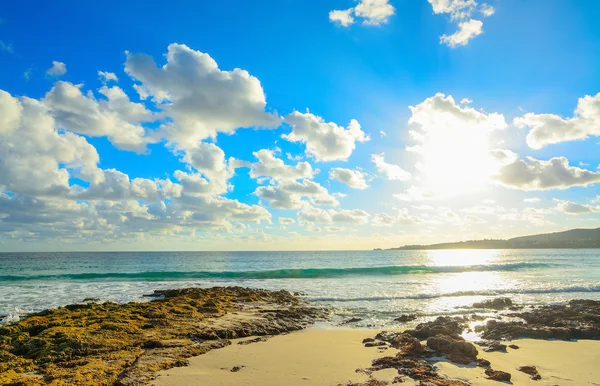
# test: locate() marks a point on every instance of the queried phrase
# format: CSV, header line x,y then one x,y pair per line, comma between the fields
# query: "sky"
x,y
294,124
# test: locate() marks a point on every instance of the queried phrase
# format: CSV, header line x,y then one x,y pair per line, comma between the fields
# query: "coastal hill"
x,y
574,238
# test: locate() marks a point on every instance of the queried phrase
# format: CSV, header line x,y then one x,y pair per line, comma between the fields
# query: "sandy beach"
x,y
331,357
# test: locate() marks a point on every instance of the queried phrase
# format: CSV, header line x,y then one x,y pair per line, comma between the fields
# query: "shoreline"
x,y
174,338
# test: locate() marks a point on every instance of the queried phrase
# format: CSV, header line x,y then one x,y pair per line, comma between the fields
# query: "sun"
x,y
453,143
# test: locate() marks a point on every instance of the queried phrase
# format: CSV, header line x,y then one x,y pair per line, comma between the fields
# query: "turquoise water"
x,y
374,285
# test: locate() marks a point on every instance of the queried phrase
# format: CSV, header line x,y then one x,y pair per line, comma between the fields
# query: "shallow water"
x,y
374,285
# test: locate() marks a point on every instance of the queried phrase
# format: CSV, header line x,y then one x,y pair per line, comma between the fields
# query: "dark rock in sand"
x,y
513,346
496,375
235,369
483,362
531,370
441,326
495,346
406,318
455,348
495,304
256,340
376,344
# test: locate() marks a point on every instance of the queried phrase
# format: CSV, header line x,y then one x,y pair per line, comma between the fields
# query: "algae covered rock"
x,y
124,344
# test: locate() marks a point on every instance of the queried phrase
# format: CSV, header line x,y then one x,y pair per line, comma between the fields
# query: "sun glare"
x,y
453,142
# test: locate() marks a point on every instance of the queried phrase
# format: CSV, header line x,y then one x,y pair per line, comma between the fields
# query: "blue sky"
x,y
455,166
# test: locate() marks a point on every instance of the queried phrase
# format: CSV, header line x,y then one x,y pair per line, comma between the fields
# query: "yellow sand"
x,y
329,357
559,363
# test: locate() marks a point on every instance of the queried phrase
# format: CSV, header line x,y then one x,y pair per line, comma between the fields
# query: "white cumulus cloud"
x,y
371,12
57,69
547,129
324,141
353,178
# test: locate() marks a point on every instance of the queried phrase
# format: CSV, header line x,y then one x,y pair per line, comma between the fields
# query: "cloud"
x,y
290,194
461,12
116,118
116,186
324,141
574,208
274,168
209,159
548,129
200,99
415,193
35,158
57,69
382,134
532,216
310,215
344,18
107,76
534,174
286,220
487,10
353,178
27,74
386,220
371,12
6,47
467,30
390,171
532,200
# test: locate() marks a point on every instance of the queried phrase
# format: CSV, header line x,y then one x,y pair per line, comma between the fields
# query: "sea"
x,y
374,286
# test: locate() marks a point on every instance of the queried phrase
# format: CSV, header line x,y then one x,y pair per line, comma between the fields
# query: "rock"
x,y
456,349
513,346
411,347
496,304
496,375
441,326
579,319
483,362
352,320
125,344
368,340
376,344
531,370
495,346
256,340
406,318
235,369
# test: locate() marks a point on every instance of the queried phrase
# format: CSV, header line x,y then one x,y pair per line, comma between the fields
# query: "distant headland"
x,y
574,238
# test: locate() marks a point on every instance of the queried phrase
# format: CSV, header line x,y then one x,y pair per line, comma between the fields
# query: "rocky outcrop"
x,y
579,319
125,344
406,318
411,358
455,348
440,326
493,346
495,304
